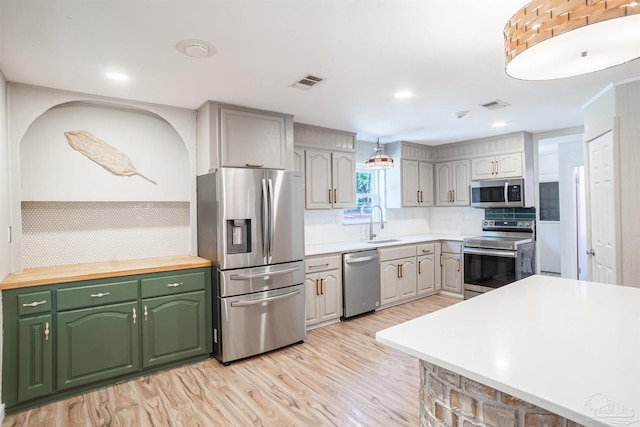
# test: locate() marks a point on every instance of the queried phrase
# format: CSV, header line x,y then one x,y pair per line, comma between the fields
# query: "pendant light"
x,y
379,160
551,39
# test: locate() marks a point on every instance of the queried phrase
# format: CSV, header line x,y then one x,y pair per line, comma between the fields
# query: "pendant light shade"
x,y
379,160
551,39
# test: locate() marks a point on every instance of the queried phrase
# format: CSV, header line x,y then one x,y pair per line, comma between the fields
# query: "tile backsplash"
x,y
326,226
62,233
510,213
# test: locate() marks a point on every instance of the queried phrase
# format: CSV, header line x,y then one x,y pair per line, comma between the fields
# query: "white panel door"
x,y
602,209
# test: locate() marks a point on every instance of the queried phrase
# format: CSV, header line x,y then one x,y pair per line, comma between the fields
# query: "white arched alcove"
x,y
51,170
92,214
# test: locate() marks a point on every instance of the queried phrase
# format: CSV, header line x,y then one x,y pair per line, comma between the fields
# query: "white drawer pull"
x,y
175,285
100,295
35,303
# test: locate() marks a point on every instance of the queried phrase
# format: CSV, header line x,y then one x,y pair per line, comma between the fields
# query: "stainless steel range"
x,y
504,254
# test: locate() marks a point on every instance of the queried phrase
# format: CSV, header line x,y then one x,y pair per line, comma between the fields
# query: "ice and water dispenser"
x,y
238,236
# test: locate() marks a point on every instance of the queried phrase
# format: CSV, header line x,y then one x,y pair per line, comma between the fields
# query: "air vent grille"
x,y
495,105
307,82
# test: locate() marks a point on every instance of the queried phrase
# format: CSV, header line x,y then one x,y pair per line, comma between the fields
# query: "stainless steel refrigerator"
x,y
251,226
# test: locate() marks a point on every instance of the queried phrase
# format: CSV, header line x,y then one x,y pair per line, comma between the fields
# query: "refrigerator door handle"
x,y
263,300
272,219
267,273
265,219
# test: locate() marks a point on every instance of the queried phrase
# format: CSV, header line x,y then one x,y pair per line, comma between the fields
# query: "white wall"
x,y
5,258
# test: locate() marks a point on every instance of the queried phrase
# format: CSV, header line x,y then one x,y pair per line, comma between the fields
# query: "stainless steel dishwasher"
x,y
360,282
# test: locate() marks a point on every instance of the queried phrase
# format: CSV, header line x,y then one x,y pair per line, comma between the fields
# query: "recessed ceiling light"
x,y
499,124
195,48
403,94
117,76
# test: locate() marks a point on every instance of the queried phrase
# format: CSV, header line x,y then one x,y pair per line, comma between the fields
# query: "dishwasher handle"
x,y
360,259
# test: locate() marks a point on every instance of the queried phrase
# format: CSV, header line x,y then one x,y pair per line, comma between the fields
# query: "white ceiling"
x,y
449,53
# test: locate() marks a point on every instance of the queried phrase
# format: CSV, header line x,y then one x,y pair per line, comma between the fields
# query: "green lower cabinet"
x,y
173,328
35,356
97,343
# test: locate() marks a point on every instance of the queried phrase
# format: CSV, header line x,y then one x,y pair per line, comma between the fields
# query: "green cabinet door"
x,y
97,343
35,357
173,328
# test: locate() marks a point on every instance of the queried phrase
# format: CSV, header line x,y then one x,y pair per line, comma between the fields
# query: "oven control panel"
x,y
508,224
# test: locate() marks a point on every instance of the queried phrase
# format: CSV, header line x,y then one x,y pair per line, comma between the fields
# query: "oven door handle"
x,y
498,253
263,300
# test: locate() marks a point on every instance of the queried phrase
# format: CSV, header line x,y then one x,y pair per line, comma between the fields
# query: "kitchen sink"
x,y
375,242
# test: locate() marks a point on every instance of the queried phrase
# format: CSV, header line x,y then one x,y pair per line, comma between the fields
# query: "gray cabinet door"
x,y
252,139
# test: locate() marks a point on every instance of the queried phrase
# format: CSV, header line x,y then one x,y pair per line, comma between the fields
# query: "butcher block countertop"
x,y
99,270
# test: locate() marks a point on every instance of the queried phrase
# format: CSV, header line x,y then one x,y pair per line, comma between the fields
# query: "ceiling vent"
x,y
495,105
307,82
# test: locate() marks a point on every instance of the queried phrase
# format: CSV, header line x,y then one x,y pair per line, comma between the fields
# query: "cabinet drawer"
x,y
34,303
96,295
452,247
312,265
426,249
168,285
387,254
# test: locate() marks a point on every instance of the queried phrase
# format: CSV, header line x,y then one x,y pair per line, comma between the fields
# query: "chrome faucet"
x,y
371,234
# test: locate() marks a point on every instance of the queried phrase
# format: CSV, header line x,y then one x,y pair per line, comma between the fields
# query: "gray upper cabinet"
x,y
249,139
327,158
410,182
233,136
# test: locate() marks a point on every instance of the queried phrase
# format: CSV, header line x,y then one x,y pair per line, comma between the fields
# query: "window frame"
x,y
377,193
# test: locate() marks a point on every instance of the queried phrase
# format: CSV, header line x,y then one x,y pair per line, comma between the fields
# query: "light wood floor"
x,y
340,376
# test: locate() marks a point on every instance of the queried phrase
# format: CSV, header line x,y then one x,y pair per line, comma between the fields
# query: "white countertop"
x,y
564,345
342,247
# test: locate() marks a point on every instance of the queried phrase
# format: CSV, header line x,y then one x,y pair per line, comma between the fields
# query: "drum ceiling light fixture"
x,y
552,39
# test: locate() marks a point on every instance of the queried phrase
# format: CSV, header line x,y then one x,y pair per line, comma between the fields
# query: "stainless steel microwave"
x,y
498,193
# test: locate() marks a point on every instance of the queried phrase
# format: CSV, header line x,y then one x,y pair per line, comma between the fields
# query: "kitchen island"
x,y
541,351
